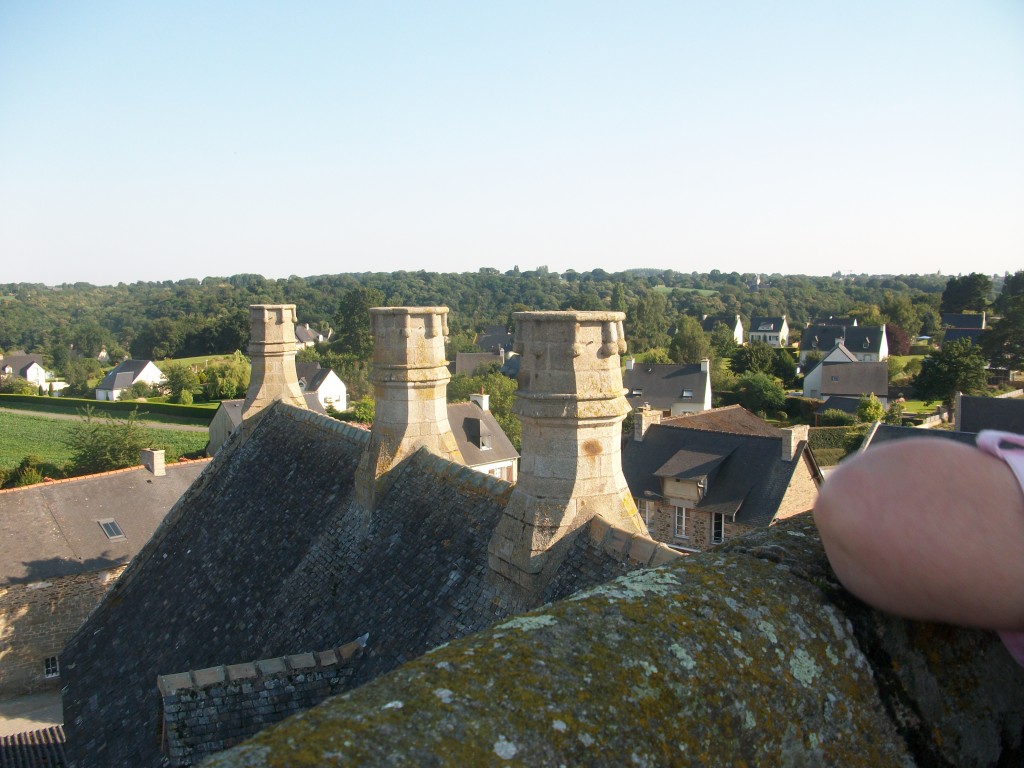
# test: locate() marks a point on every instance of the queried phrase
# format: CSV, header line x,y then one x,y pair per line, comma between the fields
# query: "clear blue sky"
x,y
153,141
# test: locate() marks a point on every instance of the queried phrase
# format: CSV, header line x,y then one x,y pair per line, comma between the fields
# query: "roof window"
x,y
112,530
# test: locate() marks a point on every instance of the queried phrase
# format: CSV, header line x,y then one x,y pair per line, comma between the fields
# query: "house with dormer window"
x,y
671,389
773,331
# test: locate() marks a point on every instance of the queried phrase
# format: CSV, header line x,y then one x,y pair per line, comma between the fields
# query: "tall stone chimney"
x,y
791,438
643,419
410,382
570,401
272,349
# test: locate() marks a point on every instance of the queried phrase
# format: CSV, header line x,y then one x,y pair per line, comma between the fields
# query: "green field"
x,y
45,437
202,361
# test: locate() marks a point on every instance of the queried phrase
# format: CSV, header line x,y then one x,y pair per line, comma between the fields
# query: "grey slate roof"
x,y
959,320
841,320
730,418
864,339
313,374
233,408
748,477
973,335
123,375
883,433
1003,413
708,323
663,385
821,338
264,556
469,424
466,363
766,324
50,529
839,403
34,749
854,379
493,338
18,363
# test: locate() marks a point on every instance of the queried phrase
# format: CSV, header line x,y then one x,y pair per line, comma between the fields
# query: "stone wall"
x,y
38,618
802,492
207,710
662,519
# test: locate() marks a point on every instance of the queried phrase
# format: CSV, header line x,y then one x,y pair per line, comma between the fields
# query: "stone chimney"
x,y
643,419
705,365
410,382
272,349
153,461
483,400
570,401
791,439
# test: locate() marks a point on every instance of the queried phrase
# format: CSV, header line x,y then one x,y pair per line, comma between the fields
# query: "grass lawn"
x,y
58,405
918,406
202,360
25,434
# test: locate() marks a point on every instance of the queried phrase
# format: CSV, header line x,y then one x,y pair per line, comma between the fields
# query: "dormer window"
x,y
867,343
687,393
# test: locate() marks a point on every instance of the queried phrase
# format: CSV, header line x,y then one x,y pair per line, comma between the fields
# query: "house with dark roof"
x,y
309,337
974,414
697,487
482,442
973,335
840,372
126,374
324,383
733,322
28,367
305,535
841,320
773,331
672,389
63,545
970,320
821,339
467,363
494,339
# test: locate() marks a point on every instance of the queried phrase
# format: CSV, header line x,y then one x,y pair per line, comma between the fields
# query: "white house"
x,y
324,383
28,367
126,374
672,389
773,331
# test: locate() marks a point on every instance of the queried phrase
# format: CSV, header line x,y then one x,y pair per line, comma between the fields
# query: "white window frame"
x,y
679,531
51,667
717,522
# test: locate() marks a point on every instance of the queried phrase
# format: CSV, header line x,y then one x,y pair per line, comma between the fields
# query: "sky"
x,y
162,141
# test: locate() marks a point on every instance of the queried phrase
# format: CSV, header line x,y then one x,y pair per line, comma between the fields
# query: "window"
x,y
112,529
717,528
835,378
51,667
680,523
647,507
687,393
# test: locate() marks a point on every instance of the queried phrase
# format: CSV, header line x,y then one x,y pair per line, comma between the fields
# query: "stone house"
x,y
773,331
672,389
327,534
699,484
126,374
64,544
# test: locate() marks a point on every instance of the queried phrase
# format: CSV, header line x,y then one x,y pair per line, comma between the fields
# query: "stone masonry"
x,y
207,710
410,380
272,348
571,405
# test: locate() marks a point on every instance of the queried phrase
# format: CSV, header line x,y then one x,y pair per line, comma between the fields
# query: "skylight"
x,y
111,529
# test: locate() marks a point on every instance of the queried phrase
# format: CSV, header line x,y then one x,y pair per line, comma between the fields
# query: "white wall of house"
x,y
505,470
700,401
332,391
150,374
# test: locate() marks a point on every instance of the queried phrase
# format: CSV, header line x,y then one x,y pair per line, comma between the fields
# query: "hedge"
x,y
844,438
116,406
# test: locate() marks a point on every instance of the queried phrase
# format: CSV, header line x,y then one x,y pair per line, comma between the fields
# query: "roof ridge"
x,y
349,433
453,471
627,545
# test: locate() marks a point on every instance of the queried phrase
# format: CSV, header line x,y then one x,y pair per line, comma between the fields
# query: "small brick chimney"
x,y
410,382
272,349
570,401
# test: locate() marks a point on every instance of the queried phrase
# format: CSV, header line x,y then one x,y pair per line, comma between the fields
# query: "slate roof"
x,y
822,338
839,403
977,413
469,423
840,320
973,335
493,338
854,379
883,433
34,749
265,556
49,529
763,324
233,408
730,418
305,335
865,339
663,385
841,349
748,477
958,320
123,375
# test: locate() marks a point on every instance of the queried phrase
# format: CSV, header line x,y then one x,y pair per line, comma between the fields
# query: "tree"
x,y
100,445
647,323
364,410
690,344
502,394
760,392
352,322
957,367
178,379
784,367
723,342
1003,343
757,357
894,413
869,409
898,310
228,379
898,340
1013,288
15,385
967,293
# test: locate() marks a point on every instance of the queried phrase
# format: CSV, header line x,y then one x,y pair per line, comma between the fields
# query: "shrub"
x,y
833,417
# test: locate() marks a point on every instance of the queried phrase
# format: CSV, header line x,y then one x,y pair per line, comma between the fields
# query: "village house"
x,y
306,337
324,383
701,479
867,343
467,363
671,389
28,367
64,544
773,331
732,322
125,375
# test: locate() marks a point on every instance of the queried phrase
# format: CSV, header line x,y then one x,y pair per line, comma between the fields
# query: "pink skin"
x,y
928,529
